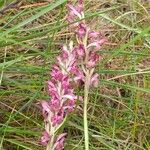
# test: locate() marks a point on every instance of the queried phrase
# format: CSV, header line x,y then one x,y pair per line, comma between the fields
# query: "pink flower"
x,y
57,119
74,68
70,105
45,108
65,84
55,104
93,59
97,44
81,31
79,76
93,35
45,138
102,41
70,96
80,50
56,73
94,80
59,143
66,72
75,11
95,40
62,98
51,86
80,2
64,54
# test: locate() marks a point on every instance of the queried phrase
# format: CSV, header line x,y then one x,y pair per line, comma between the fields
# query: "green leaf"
x,y
39,14
11,62
2,3
127,86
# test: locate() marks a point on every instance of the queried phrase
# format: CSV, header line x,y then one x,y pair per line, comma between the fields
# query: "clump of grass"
x,y
118,109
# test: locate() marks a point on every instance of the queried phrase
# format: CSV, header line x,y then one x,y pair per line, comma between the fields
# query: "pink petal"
x,y
65,85
93,34
71,97
95,80
102,41
59,144
73,10
93,59
56,120
70,106
82,29
80,50
79,76
51,84
56,73
45,138
45,106
80,1
61,136
55,104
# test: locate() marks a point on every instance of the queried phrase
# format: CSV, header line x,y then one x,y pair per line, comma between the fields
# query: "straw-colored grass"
x,y
118,111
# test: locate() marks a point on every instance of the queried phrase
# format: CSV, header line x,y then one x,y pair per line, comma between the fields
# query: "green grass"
x,y
118,111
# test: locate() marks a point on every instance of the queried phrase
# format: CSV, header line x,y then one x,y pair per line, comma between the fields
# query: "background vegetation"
x,y
119,110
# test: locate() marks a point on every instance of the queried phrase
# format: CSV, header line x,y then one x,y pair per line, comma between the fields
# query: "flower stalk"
x,y
86,95
88,43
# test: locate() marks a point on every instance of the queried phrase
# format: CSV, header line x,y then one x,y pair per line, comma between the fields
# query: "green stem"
x,y
50,144
86,94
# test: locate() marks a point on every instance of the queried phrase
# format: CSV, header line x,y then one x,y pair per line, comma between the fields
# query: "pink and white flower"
x,y
62,97
74,65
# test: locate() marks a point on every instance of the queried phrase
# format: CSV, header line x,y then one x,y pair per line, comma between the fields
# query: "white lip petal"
x,y
93,44
71,97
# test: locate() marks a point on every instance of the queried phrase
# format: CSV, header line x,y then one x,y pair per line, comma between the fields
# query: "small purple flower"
x,y
65,84
45,106
70,105
80,50
81,30
93,59
59,143
56,73
79,77
45,109
93,35
64,55
74,68
55,104
75,11
94,80
97,44
45,138
56,119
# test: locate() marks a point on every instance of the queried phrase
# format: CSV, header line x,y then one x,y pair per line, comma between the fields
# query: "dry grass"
x,y
119,109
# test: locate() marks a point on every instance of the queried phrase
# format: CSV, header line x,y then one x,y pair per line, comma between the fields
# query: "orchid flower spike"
x,y
62,98
89,42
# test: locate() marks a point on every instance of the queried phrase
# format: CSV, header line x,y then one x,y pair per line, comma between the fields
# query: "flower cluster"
x,y
89,42
74,64
62,98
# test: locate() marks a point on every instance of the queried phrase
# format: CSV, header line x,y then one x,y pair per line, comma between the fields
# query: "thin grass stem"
x,y
86,95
